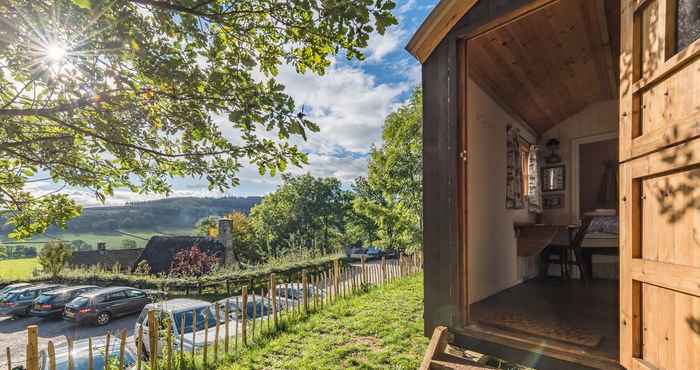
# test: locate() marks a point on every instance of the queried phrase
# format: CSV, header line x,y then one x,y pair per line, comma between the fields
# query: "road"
x,y
13,333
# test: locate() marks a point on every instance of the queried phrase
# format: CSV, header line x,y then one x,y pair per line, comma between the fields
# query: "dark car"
x,y
12,287
356,253
19,302
102,305
51,304
373,252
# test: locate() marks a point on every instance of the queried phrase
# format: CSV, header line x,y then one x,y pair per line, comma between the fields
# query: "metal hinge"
x,y
463,155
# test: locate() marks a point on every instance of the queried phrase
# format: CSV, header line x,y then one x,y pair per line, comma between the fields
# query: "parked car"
x,y
81,356
292,294
52,303
373,252
12,287
356,253
102,305
19,302
175,310
262,307
391,253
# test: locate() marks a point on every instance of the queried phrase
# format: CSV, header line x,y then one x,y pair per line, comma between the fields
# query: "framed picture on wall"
x,y
554,178
553,201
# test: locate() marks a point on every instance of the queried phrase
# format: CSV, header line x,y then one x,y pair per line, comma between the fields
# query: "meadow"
x,y
113,240
17,268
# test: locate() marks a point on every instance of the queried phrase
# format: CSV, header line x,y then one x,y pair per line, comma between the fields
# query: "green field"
x,y
113,240
16,269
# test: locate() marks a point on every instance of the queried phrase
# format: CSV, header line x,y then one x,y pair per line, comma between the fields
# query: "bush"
x,y
193,262
54,256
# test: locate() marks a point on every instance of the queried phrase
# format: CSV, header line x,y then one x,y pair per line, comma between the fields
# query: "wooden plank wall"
x,y
440,153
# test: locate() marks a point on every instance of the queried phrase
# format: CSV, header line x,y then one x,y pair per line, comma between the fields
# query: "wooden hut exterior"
x,y
575,72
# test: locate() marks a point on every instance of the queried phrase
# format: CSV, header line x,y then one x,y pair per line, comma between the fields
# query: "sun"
x,y
56,53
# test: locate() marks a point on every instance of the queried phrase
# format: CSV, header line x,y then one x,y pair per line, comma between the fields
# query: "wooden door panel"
x,y
670,220
660,191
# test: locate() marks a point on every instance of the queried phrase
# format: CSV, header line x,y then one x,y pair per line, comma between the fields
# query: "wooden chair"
x,y
560,253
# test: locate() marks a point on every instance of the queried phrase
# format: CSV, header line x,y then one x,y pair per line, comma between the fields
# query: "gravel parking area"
x,y
13,333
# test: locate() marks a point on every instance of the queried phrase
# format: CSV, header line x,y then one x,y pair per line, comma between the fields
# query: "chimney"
x,y
102,247
226,238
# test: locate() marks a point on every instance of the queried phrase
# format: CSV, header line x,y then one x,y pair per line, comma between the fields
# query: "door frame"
x,y
576,169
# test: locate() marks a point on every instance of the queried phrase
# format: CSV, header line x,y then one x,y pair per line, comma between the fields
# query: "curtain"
x,y
534,185
514,172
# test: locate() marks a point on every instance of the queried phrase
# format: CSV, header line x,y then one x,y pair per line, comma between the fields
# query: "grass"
x,y
382,329
17,268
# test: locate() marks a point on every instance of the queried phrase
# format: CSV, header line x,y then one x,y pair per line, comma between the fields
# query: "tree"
x,y
205,226
128,94
193,262
393,194
80,245
361,228
54,256
304,210
242,235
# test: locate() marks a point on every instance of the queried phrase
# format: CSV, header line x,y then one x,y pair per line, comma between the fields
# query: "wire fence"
x,y
188,339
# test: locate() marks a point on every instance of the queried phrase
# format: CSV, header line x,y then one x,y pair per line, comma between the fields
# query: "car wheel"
x,y
103,318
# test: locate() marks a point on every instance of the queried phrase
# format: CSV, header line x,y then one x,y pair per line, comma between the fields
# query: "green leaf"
x,y
85,4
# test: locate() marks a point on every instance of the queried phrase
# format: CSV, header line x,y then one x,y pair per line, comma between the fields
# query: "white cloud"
x,y
380,46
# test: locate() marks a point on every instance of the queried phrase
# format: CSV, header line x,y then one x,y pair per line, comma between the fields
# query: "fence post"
x,y
106,355
9,359
305,287
122,343
336,277
153,339
255,314
169,340
364,266
273,297
139,346
194,333
182,339
244,314
216,332
206,336
32,347
226,327
383,269
52,356
71,363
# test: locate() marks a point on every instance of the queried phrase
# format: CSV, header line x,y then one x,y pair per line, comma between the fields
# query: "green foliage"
x,y
391,196
304,212
80,245
206,224
54,256
129,94
128,244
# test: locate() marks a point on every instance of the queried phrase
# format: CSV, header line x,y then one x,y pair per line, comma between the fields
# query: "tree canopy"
x,y
392,194
106,94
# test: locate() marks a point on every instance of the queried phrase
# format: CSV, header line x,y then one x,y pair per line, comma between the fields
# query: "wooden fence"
x,y
327,286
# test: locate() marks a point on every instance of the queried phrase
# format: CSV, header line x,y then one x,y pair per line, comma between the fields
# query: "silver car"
x,y
81,356
175,310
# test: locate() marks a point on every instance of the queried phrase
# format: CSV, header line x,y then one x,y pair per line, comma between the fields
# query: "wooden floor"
x,y
558,306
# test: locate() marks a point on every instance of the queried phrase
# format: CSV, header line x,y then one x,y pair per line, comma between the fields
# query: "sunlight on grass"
x,y
16,269
382,329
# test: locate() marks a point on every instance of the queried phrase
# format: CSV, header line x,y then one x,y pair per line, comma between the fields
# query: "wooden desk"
x,y
534,238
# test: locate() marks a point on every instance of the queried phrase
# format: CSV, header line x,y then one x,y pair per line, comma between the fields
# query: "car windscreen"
x,y
80,301
200,312
9,297
80,359
45,298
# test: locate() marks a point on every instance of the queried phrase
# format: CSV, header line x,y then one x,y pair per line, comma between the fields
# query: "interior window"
x,y
117,296
688,23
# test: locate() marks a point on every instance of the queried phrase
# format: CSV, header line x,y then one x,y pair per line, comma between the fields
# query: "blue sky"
x,y
349,103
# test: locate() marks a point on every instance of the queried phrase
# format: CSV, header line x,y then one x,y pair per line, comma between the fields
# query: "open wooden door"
x,y
660,184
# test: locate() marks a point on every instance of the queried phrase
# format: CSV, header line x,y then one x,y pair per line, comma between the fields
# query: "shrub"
x,y
142,268
193,262
54,256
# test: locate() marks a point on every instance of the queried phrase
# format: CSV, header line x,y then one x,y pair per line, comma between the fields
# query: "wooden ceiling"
x,y
552,63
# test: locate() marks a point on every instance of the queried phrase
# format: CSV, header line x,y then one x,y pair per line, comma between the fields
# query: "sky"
x,y
349,103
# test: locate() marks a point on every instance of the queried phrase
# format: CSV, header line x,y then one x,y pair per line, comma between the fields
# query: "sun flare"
x,y
56,53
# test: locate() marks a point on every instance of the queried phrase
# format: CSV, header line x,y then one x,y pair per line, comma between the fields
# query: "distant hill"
x,y
166,213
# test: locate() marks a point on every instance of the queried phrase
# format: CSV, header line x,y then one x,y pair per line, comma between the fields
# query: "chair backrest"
x,y
581,232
